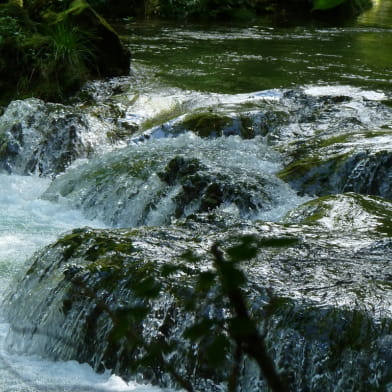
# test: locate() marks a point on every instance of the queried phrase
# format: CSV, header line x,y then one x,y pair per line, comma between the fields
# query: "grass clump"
x,y
48,50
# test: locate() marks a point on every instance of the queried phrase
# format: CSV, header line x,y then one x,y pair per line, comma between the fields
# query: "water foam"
x,y
28,223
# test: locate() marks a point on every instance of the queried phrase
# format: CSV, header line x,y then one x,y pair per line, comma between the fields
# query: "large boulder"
x,y
109,55
133,300
155,182
45,138
50,49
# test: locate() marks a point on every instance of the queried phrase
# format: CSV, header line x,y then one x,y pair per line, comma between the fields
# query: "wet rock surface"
x,y
342,145
45,138
323,299
152,183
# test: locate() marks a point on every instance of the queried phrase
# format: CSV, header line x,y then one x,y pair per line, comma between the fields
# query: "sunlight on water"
x,y
28,223
130,191
349,91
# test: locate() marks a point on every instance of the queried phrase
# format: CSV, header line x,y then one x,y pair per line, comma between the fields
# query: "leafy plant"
x,y
9,27
326,4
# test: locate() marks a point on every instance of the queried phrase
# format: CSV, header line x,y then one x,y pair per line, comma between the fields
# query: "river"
x,y
177,71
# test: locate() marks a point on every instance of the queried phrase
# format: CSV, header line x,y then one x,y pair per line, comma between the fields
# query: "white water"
x,y
27,224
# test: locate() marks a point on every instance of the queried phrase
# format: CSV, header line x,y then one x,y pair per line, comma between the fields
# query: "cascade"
x,y
109,193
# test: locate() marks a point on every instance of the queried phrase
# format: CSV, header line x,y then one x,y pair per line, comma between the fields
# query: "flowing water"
x,y
235,72
27,224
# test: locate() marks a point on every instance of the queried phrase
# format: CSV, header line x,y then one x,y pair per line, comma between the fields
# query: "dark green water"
x,y
255,56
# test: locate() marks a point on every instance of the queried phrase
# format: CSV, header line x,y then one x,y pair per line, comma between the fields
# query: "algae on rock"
x,y
317,299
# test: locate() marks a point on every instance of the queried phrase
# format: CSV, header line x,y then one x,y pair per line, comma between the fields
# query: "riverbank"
x,y
50,51
57,47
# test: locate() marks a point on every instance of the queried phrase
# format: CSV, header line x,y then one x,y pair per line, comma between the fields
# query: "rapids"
x,y
27,224
218,131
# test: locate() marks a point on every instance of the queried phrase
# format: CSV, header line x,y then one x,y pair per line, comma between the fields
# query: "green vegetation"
x,y
206,124
344,211
227,9
48,49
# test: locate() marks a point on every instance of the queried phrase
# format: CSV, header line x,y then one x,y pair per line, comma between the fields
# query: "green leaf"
x,y
147,288
278,242
217,350
199,330
190,256
246,250
231,277
205,280
169,269
326,4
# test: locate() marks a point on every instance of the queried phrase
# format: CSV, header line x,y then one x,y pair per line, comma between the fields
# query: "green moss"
x,y
71,242
103,246
319,210
299,168
387,102
314,175
206,124
121,134
346,208
247,128
162,117
277,304
334,140
94,245
378,208
49,52
137,167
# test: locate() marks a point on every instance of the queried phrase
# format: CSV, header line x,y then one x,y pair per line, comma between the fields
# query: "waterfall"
x,y
307,167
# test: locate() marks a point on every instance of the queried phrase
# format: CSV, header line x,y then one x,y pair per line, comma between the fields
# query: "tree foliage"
x,y
326,4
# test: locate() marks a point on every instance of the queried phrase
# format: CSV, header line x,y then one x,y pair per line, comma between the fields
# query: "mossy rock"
x,y
213,124
110,57
111,294
349,162
206,124
55,50
45,138
155,182
347,212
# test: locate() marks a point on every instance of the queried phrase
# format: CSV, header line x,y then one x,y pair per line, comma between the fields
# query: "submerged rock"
x,y
45,138
349,212
322,298
152,183
356,162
